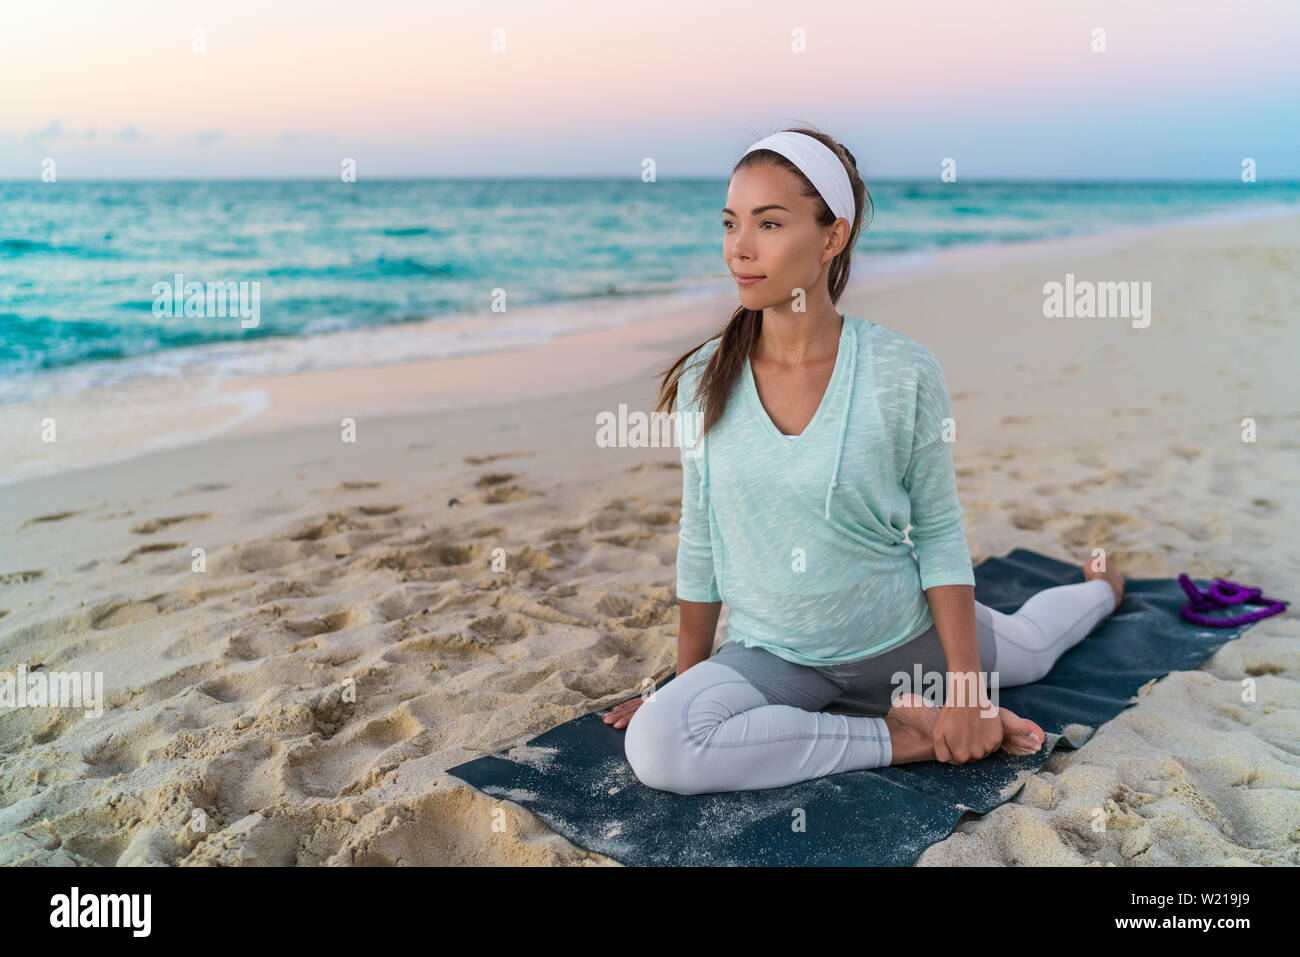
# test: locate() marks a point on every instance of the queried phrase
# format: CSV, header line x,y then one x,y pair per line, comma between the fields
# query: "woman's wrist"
x,y
966,688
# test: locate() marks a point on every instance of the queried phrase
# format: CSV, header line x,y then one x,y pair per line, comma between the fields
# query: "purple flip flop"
x,y
1224,594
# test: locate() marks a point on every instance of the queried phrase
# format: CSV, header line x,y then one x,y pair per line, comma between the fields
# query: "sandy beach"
x,y
474,569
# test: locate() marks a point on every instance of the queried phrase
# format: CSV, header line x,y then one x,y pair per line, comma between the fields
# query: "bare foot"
x,y
911,726
1020,735
1112,576
911,722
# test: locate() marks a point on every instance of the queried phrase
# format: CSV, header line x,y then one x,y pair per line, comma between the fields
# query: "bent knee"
x,y
668,733
653,747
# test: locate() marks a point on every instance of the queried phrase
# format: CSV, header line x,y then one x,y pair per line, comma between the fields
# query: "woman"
x,y
822,437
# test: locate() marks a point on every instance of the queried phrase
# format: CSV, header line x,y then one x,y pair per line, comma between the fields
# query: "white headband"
x,y
819,163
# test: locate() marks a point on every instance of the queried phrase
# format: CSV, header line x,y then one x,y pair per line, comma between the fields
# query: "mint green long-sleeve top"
x,y
806,540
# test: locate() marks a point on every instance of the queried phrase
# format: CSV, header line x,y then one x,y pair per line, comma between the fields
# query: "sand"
x,y
354,633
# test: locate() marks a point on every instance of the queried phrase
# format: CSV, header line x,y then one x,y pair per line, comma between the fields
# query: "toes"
x,y
1022,744
1024,736
1032,740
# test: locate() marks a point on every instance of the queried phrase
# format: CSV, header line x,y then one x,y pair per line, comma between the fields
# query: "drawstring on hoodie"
x,y
704,466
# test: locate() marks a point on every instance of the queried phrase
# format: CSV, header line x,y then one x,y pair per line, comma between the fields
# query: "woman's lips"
x,y
748,280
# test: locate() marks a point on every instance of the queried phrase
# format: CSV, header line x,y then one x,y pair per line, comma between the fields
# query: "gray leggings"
x,y
748,719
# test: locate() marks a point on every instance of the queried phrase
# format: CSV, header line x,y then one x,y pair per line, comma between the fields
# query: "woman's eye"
x,y
766,222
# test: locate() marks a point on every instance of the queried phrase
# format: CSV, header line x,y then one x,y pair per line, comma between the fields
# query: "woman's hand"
x,y
966,733
621,714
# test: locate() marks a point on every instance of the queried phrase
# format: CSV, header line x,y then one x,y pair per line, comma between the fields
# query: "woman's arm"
x,y
697,586
930,481
968,727
935,513
699,622
953,608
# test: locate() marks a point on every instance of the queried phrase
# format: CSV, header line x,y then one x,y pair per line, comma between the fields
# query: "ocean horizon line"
x,y
1002,181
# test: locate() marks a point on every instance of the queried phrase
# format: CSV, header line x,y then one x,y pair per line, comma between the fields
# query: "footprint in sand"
x,y
158,524
425,558
494,478
501,627
355,762
642,466
485,459
334,523
507,493
17,578
208,487
627,610
55,517
1097,529
1029,520
661,516
320,624
154,547
498,488
122,613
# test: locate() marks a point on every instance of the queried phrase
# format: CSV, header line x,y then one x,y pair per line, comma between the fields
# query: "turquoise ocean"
x,y
79,261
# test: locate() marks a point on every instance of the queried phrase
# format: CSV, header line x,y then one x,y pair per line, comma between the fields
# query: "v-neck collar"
x,y
785,443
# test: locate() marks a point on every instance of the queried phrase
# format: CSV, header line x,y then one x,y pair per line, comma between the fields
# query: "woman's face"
x,y
769,229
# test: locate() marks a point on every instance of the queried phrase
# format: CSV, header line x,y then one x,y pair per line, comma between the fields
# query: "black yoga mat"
x,y
575,777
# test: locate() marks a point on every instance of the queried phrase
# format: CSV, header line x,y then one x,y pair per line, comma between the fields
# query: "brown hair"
x,y
741,332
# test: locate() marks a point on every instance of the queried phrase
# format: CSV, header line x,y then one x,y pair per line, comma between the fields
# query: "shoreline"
x,y
203,408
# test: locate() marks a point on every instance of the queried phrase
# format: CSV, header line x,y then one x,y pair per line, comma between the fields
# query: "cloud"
x,y
128,134
207,137
53,131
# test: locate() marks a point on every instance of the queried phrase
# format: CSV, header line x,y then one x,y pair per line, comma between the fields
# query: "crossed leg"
x,y
710,729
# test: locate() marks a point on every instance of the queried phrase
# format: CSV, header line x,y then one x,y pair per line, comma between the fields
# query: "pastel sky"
x,y
231,88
